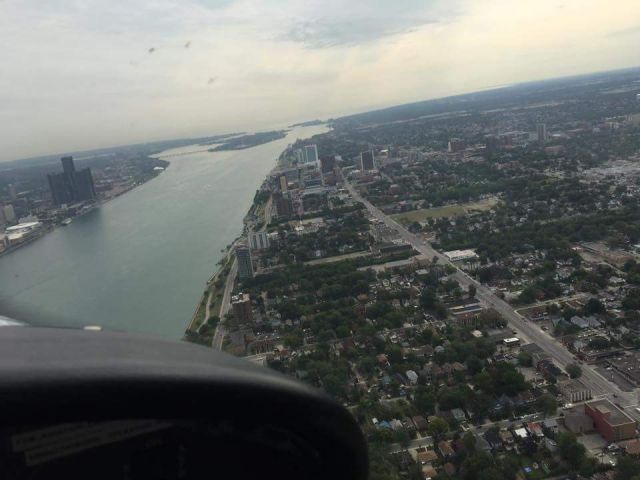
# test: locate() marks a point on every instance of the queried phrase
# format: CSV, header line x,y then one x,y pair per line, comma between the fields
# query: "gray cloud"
x,y
363,21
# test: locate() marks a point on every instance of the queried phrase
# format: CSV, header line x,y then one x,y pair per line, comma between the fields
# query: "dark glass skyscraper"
x,y
71,185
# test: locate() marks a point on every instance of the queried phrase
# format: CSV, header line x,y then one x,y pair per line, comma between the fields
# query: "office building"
x,y
241,305
610,421
71,185
245,267
366,161
9,214
542,132
13,194
311,154
259,240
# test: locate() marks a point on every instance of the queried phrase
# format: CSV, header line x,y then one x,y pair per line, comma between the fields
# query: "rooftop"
x,y
615,416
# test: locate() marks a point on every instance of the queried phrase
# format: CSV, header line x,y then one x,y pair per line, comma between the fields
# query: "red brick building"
x,y
611,422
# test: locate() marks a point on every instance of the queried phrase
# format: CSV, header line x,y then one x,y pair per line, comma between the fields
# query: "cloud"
x,y
360,22
323,33
81,76
635,30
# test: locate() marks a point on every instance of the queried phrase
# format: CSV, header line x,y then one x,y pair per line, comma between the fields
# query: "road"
x,y
221,332
526,330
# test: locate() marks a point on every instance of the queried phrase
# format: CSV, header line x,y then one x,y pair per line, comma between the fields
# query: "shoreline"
x,y
192,332
51,228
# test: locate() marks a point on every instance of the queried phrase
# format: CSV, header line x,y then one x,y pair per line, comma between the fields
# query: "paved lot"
x,y
593,442
615,377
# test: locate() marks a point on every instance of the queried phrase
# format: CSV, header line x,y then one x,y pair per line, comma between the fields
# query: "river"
x,y
140,262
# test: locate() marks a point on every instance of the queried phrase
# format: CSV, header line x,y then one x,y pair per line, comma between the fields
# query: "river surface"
x,y
140,262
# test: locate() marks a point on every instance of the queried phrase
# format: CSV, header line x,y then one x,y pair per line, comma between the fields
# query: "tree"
x,y
424,401
547,404
574,370
472,290
437,428
524,359
469,442
570,449
594,306
293,340
628,468
402,437
599,343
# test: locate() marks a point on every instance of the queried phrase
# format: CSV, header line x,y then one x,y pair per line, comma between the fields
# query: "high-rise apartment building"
x,y
9,214
456,145
241,305
367,161
541,129
284,184
311,154
327,164
245,266
259,240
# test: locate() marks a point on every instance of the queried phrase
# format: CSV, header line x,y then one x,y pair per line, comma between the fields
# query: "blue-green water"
x,y
140,262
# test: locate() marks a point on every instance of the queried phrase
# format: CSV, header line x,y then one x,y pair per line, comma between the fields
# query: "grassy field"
x,y
457,210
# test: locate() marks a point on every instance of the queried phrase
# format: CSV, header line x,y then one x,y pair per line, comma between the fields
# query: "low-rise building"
x,y
573,390
628,366
611,422
461,255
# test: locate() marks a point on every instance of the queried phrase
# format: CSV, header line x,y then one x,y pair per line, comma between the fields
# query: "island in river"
x,y
249,140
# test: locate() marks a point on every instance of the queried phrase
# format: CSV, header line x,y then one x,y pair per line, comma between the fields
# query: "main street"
x,y
527,331
218,337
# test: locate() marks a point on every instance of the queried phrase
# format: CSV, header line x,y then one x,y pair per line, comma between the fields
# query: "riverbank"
x,y
51,227
141,262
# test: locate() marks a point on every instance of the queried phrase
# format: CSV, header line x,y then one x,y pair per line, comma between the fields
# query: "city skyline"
x,y
197,68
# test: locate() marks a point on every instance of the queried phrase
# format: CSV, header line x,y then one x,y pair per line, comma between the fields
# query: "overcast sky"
x,y
81,74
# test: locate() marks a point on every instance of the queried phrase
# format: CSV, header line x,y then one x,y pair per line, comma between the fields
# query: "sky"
x,y
83,74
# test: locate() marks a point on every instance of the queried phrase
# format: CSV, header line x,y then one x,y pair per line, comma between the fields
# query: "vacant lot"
x,y
446,211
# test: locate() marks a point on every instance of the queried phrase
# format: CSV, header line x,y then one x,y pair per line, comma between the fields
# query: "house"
x,y
428,472
502,402
492,436
631,447
421,423
449,468
550,424
507,439
396,424
535,429
521,433
458,415
481,444
445,448
424,351
458,367
384,425
426,456
382,359
412,376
